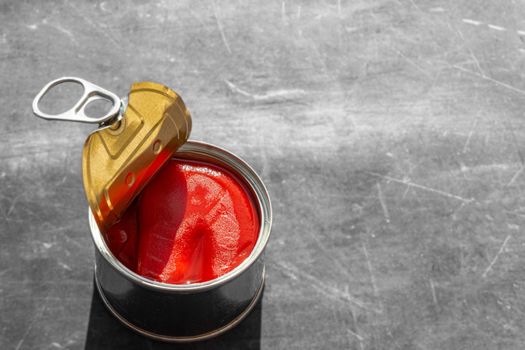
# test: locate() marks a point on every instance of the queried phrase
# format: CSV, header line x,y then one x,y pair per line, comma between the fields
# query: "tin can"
x,y
188,312
135,137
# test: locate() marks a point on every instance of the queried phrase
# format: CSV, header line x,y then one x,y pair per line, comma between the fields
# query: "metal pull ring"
x,y
91,93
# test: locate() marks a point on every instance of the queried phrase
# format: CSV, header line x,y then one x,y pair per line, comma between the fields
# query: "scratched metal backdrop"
x,y
390,134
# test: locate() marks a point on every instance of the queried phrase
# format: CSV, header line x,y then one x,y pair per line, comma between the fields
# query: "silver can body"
x,y
188,312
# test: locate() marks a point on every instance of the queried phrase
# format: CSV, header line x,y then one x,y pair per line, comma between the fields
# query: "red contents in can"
x,y
192,223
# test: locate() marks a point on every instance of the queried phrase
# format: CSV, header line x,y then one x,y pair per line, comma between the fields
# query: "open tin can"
x,y
188,312
179,312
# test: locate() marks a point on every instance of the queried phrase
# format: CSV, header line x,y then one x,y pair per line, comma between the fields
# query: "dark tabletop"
x,y
390,135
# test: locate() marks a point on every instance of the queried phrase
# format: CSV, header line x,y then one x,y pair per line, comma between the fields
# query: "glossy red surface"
x,y
193,222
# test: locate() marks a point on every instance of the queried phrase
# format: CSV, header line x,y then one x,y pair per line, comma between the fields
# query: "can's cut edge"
x,y
189,339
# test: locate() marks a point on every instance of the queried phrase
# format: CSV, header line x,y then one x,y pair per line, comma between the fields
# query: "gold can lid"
x,y
119,160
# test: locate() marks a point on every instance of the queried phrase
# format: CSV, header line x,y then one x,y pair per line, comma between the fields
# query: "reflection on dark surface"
x,y
106,332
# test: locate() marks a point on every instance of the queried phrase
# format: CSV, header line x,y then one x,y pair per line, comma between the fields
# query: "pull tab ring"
x,y
91,93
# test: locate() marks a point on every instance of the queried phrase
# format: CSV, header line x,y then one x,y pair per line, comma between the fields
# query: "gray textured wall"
x,y
390,135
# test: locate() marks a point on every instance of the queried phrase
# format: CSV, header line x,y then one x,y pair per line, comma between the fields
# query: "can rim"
x,y
255,183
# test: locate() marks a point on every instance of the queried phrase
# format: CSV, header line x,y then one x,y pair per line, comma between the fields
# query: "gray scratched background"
x,y
390,134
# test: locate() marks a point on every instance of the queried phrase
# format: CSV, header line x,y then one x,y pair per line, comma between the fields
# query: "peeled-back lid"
x,y
118,161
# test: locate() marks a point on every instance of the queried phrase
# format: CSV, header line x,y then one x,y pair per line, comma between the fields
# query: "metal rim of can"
x,y
249,176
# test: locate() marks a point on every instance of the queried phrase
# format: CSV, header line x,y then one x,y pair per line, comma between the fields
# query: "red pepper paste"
x,y
192,223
